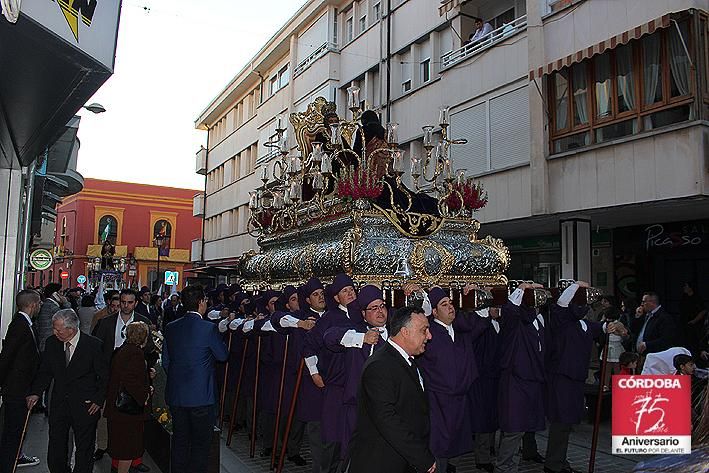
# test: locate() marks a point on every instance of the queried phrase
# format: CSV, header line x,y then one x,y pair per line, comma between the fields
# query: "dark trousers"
x,y
557,446
312,428
295,436
529,445
192,429
330,458
14,420
60,422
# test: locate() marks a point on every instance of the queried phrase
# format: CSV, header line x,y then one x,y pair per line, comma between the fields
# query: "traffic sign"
x,y
64,275
81,279
172,278
40,259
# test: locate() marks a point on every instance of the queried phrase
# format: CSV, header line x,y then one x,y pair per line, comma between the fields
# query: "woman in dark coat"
x,y
130,373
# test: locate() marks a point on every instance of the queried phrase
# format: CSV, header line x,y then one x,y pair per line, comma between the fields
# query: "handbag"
x,y
126,404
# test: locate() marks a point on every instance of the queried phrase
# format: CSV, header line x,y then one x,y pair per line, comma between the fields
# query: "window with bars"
x,y
640,86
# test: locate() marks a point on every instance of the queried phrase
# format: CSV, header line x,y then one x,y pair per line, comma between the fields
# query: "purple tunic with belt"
x,y
449,369
483,391
522,376
331,368
568,358
353,363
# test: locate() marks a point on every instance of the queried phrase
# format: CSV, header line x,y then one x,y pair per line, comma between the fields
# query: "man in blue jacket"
x,y
192,348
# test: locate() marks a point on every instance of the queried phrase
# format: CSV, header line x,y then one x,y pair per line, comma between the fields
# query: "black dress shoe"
x,y
98,454
489,467
450,468
536,458
142,468
298,460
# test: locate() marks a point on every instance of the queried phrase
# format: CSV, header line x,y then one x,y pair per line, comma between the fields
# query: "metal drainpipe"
x,y
388,61
26,225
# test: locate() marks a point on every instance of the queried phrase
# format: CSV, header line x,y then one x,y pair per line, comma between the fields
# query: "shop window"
x,y
643,85
108,229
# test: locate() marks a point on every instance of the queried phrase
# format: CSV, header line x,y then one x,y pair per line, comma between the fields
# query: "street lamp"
x,y
94,107
159,239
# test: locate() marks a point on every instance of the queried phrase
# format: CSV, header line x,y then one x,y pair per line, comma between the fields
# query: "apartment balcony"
x,y
196,253
201,161
494,37
198,205
313,57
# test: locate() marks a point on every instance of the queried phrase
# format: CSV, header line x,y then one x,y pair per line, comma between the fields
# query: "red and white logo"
x,y
652,414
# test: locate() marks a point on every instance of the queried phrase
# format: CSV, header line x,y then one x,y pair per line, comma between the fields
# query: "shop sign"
x,y
676,235
40,259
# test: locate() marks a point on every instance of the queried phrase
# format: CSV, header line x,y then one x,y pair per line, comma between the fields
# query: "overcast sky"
x,y
173,57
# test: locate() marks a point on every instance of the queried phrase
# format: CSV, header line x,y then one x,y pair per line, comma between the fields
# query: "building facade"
x,y
585,121
150,228
55,56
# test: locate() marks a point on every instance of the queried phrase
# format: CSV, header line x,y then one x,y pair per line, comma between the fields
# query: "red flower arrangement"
x,y
474,197
359,184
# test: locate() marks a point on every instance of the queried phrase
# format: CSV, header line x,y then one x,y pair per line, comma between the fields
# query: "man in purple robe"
x,y
483,391
449,368
319,361
570,339
297,324
522,375
357,341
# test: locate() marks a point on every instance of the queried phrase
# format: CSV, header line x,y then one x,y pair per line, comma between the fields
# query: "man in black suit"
x,y
111,331
75,362
19,361
393,427
144,308
660,330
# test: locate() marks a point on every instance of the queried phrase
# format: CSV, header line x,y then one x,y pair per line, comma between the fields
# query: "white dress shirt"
x,y
406,356
449,328
74,341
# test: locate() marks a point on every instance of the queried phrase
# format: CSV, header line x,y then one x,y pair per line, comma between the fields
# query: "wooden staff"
x,y
232,422
22,440
599,404
226,380
291,413
278,407
252,450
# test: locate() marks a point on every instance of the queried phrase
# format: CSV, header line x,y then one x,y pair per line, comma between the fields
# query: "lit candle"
x,y
393,133
318,181
398,161
427,135
279,122
415,167
264,173
326,165
460,173
353,97
447,170
444,116
295,190
335,137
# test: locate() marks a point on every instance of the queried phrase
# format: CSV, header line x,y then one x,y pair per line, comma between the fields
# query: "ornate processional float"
x,y
338,204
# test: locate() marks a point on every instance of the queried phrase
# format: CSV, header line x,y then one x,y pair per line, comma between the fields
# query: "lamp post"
x,y
159,239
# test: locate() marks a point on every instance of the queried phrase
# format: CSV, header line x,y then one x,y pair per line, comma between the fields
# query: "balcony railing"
x,y
492,38
314,56
198,205
201,161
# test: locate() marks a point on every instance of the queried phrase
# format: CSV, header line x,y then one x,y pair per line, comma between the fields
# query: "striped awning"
x,y
448,5
612,43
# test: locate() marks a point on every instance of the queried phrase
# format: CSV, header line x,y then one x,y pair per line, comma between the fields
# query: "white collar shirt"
x,y
406,357
73,343
449,328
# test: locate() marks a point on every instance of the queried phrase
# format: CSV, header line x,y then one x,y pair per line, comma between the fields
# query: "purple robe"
x,y
353,359
331,368
522,376
569,354
483,391
309,396
449,369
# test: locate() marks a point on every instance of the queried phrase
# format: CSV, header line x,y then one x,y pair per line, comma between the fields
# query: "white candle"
x,y
444,116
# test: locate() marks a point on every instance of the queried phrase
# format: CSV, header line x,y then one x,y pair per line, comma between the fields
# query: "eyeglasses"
x,y
376,307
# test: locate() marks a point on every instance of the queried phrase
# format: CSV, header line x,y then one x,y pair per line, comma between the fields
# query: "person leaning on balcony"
x,y
482,29
129,374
